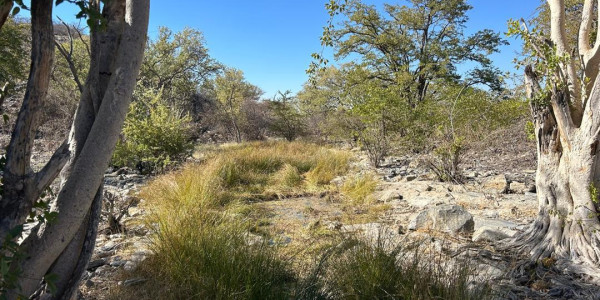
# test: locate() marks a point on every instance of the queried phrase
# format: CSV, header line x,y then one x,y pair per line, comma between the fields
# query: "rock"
x,y
447,217
129,266
410,177
389,195
401,229
95,264
481,222
491,214
498,184
134,281
108,246
488,234
89,283
518,187
472,175
423,201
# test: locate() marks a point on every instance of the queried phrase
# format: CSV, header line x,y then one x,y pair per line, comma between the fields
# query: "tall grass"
x,y
210,257
359,269
201,218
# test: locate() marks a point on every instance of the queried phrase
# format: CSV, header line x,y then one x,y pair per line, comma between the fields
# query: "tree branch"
x,y
5,10
559,37
14,206
590,56
50,171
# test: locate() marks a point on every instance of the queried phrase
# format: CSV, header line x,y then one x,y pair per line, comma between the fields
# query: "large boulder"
x,y
447,218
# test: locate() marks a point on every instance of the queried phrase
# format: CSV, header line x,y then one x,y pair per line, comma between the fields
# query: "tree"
x,y
231,91
287,120
177,64
564,106
410,46
59,247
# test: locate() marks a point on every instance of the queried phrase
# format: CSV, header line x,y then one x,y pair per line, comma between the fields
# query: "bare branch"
x,y
590,56
69,58
584,29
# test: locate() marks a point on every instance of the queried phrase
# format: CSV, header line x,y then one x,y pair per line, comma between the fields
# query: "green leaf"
x,y
16,10
51,280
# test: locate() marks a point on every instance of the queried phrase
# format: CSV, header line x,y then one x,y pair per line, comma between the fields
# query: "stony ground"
x,y
411,204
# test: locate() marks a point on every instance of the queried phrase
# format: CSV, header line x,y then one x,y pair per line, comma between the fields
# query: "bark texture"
x,y
64,247
19,189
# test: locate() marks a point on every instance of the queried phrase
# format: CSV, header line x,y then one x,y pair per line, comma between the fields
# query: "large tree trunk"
x,y
568,188
63,247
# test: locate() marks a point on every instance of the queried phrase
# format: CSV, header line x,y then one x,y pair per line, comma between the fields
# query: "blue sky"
x,y
271,40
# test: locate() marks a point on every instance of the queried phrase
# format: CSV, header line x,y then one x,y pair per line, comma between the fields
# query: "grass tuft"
x,y
359,189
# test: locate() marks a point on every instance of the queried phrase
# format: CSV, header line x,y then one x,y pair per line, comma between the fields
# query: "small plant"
x,y
446,161
376,143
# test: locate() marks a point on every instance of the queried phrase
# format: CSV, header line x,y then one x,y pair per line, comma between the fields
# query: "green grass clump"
x,y
210,256
358,269
288,177
360,189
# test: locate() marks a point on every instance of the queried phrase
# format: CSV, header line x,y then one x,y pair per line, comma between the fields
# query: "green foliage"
x,y
232,92
409,45
594,193
13,64
530,130
178,63
286,120
155,135
9,252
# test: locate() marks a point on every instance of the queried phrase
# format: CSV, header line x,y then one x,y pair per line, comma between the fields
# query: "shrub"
x,y
154,135
446,160
287,121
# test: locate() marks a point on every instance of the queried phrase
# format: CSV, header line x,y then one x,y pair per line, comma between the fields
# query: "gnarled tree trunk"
x,y
567,129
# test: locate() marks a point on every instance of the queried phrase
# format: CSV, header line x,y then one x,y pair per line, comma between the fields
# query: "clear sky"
x,y
271,40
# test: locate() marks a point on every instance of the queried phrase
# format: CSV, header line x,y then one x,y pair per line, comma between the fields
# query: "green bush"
x,y
154,135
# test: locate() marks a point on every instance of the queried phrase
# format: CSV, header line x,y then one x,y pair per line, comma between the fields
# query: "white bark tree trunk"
x,y
567,224
64,247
